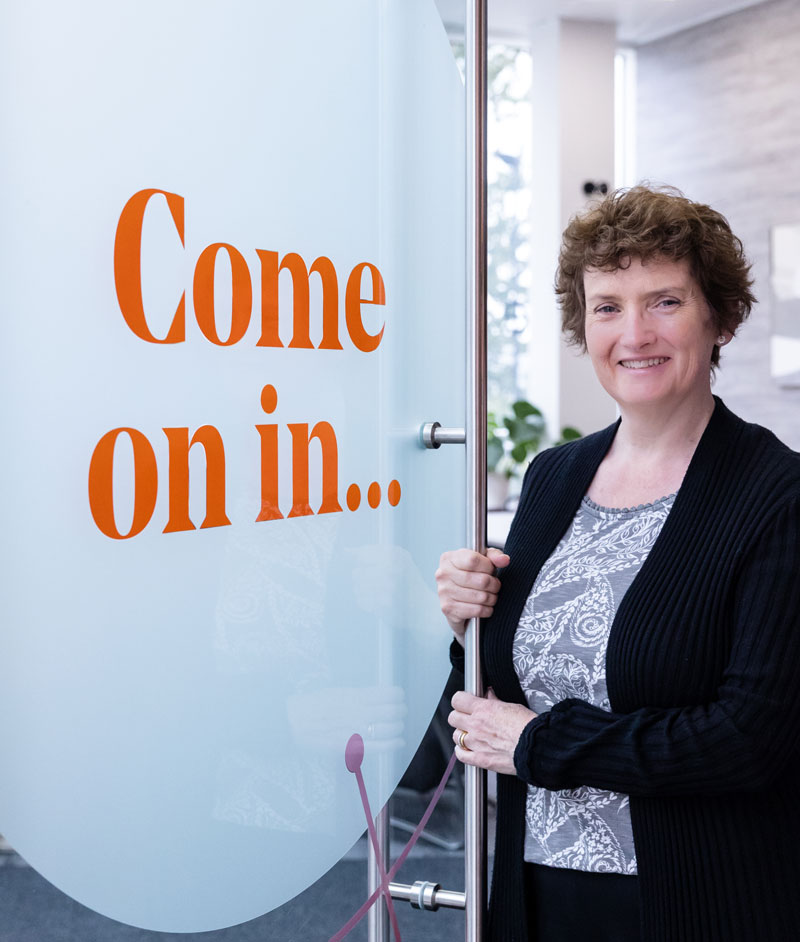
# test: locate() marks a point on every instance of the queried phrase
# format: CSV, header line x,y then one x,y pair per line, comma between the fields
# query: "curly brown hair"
x,y
646,222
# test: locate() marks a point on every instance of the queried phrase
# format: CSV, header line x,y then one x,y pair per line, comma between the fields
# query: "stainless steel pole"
x,y
378,916
475,781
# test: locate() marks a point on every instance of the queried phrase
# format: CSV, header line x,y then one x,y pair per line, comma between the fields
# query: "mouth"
x,y
643,364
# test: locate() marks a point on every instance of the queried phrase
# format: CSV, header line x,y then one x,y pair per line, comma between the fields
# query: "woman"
x,y
643,650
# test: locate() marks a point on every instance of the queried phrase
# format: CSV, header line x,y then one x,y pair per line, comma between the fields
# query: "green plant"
x,y
515,437
568,434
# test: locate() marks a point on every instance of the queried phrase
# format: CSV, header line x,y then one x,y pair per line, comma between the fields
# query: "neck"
x,y
650,454
671,432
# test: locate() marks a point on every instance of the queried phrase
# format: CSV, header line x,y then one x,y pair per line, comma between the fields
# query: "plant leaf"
x,y
494,452
519,452
522,408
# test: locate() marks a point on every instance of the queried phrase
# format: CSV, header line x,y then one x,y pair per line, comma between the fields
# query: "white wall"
x,y
719,117
573,120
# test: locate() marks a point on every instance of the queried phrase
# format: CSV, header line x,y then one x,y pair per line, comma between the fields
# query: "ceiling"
x,y
638,21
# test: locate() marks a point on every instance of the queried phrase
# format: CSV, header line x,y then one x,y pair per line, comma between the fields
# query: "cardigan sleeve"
x,y
740,741
457,658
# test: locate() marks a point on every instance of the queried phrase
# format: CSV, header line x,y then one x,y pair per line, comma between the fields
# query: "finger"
x,y
498,558
462,611
464,702
458,720
452,593
471,757
470,594
467,740
466,564
473,580
486,760
387,731
379,694
387,712
386,745
491,695
472,561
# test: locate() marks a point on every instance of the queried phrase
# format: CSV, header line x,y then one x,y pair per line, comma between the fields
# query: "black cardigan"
x,y
703,671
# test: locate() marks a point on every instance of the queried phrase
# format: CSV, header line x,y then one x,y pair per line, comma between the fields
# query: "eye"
x,y
667,303
605,309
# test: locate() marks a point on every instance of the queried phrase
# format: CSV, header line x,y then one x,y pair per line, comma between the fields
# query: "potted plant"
x,y
512,441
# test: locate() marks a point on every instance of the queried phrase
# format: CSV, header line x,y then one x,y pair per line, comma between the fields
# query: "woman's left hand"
x,y
492,729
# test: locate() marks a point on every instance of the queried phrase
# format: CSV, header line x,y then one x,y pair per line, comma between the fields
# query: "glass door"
x,y
233,275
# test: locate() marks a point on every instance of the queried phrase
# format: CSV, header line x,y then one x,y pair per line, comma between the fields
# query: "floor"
x,y
32,910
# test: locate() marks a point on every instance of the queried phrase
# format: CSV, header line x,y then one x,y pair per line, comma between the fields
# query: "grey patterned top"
x,y
560,652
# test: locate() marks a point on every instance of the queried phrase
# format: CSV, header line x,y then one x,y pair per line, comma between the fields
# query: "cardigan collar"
x,y
715,443
721,426
539,526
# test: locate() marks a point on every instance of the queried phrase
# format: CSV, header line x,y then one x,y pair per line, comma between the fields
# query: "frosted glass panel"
x,y
232,263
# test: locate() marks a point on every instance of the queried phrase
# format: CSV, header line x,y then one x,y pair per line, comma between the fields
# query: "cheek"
x,y
694,337
698,348
598,345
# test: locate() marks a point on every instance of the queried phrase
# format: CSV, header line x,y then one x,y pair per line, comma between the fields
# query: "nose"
x,y
637,328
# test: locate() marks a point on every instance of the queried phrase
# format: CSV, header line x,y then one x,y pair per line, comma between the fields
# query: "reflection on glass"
x,y
182,695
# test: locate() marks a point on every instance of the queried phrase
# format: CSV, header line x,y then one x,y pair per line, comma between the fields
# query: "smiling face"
x,y
650,334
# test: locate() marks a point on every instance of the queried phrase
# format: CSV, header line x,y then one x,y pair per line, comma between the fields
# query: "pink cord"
x,y
354,754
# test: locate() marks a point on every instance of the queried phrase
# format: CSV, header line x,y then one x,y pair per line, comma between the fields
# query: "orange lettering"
x,y
352,306
301,326
128,266
179,446
101,483
269,300
269,459
323,432
241,294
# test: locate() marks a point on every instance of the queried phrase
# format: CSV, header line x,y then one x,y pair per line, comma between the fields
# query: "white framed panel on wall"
x,y
233,266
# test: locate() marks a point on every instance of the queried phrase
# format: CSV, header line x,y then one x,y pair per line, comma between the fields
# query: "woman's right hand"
x,y
468,586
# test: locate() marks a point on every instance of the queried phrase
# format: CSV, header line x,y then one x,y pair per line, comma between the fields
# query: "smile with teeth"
x,y
642,364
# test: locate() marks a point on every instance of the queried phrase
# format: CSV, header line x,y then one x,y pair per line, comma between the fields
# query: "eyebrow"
x,y
667,289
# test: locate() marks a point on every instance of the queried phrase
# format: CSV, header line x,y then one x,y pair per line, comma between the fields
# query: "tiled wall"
x,y
719,117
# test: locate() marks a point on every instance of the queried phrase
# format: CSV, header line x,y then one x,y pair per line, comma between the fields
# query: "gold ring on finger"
x,y
461,739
